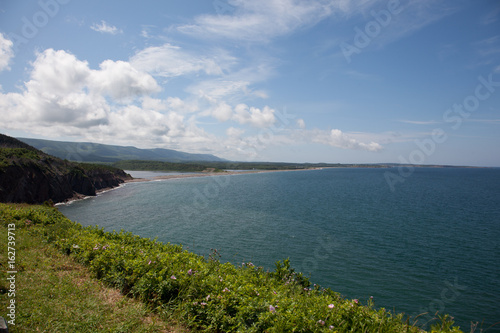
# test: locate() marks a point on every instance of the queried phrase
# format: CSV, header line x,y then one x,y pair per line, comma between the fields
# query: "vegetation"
x,y
56,294
141,165
32,176
203,293
17,155
95,152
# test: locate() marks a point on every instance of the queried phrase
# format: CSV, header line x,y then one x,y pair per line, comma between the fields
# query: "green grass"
x,y
57,294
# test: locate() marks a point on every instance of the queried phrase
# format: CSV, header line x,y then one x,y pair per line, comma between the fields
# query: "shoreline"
x,y
208,174
78,196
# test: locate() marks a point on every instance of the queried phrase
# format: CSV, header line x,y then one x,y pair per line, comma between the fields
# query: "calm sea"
x,y
432,244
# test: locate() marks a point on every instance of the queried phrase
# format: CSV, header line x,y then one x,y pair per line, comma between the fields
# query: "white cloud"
x,y
63,90
336,138
172,61
222,112
254,116
489,48
261,20
121,81
234,132
6,52
301,123
103,27
235,85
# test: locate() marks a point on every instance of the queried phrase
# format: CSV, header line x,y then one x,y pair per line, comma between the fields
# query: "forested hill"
x,y
32,176
95,152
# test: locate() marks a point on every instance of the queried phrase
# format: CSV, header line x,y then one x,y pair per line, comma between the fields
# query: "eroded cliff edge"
x,y
29,175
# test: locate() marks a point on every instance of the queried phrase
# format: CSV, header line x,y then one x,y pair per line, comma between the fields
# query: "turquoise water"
x,y
432,244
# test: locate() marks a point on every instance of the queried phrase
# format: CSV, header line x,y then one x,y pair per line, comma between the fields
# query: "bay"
x,y
431,244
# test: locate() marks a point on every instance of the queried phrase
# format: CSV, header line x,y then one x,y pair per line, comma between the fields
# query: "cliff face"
x,y
31,176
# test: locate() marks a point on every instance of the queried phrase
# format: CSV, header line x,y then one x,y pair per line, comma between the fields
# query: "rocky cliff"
x,y
31,176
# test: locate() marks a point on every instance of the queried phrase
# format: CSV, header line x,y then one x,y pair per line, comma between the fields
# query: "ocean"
x,y
431,243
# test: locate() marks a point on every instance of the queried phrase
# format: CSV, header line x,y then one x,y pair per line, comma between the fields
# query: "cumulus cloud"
x,y
63,90
115,104
104,27
121,81
254,116
6,52
222,112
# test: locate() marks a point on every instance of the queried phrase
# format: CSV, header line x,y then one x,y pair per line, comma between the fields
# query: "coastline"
x,y
78,197
208,174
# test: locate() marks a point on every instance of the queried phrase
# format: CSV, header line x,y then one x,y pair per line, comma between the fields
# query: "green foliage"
x,y
139,165
92,167
16,155
204,293
56,294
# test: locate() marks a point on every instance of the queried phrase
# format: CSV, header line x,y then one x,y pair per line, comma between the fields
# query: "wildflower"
x,y
331,306
195,303
75,246
321,322
356,301
203,303
331,327
275,292
173,277
190,272
208,297
225,290
96,248
272,309
149,263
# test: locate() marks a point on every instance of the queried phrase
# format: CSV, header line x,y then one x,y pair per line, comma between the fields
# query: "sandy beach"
x,y
206,174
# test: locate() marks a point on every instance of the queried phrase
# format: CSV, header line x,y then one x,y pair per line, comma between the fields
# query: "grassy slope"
x,y
57,294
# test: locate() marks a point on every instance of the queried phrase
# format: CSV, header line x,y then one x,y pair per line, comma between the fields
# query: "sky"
x,y
334,81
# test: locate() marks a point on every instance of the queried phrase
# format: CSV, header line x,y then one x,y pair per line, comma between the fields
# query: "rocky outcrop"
x,y
31,176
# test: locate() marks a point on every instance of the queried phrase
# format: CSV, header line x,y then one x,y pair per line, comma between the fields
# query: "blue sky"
x,y
360,81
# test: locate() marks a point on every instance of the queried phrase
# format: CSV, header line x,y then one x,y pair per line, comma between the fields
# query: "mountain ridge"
x,y
104,153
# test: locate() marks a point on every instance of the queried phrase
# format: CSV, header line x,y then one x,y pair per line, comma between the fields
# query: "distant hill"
x,y
95,152
32,176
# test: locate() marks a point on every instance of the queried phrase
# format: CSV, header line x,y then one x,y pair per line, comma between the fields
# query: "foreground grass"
x,y
55,293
